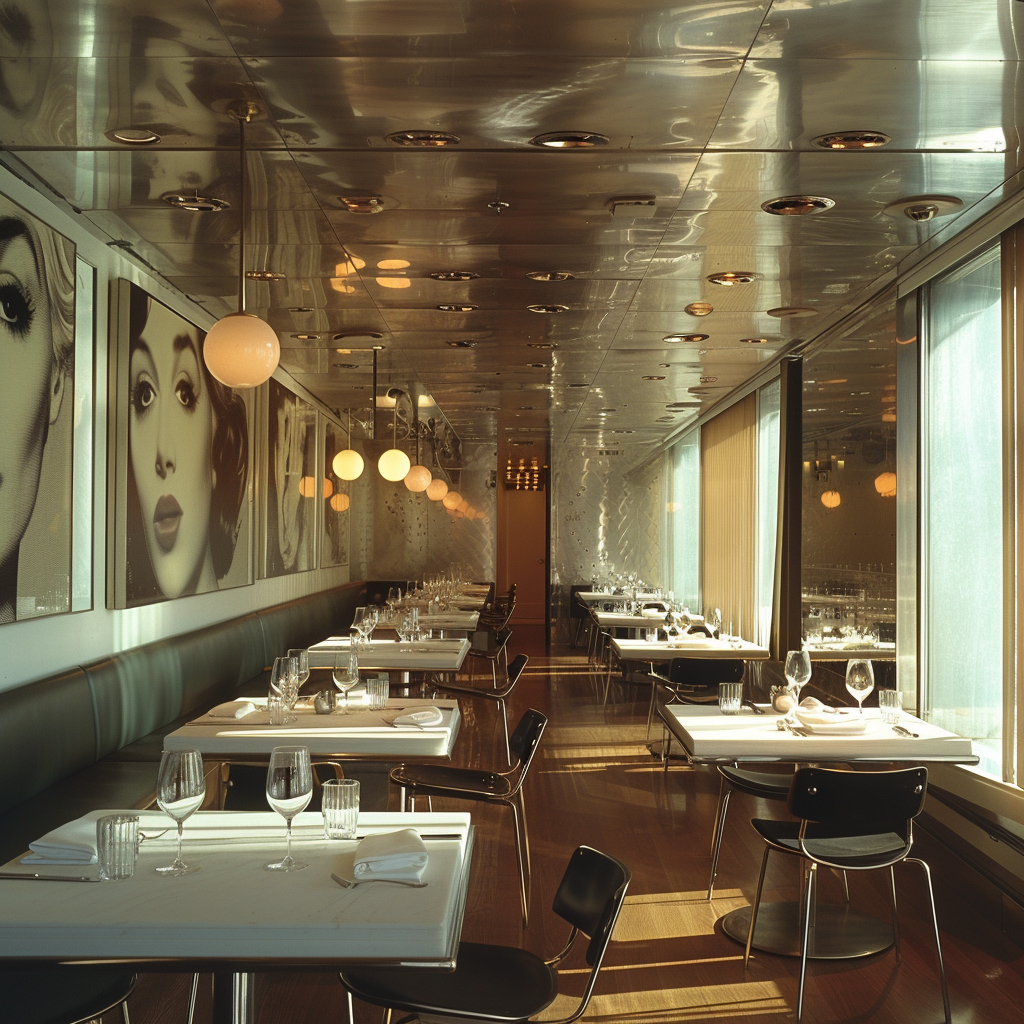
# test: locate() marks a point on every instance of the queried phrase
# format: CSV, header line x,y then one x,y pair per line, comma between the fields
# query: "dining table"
x,y
689,645
233,917
709,737
394,655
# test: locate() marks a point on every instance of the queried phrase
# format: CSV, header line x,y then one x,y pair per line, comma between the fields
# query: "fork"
x,y
351,883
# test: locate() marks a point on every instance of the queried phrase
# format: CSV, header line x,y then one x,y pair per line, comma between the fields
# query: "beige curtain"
x,y
728,515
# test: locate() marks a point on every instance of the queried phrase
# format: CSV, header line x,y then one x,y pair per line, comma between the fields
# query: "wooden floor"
x,y
594,782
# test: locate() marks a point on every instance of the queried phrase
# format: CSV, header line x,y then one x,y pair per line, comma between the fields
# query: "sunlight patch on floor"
x,y
669,918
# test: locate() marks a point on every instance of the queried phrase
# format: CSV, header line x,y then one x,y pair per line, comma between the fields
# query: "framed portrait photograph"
x,y
183,456
334,537
291,491
37,414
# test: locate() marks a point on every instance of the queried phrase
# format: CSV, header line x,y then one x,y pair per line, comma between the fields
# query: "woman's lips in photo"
x,y
166,521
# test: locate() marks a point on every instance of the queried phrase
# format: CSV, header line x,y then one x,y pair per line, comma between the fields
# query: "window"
x,y
684,521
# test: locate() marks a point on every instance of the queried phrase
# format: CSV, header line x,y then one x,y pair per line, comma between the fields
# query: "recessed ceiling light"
x,y
664,366
924,208
675,339
852,140
782,312
731,277
421,137
393,264
538,366
541,344
132,136
372,335
550,275
264,275
699,308
579,385
569,140
797,206
527,408
456,307
708,380
461,344
306,337
653,377
753,341
362,204
547,309
195,203
454,275
609,409
346,366
393,282
300,309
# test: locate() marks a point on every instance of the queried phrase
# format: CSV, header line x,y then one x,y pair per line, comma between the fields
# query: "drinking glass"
x,y
289,788
301,657
180,790
284,682
798,672
346,674
860,680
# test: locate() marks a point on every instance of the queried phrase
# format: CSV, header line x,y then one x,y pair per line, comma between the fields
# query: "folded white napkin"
x,y
653,613
421,719
818,717
232,709
75,841
396,855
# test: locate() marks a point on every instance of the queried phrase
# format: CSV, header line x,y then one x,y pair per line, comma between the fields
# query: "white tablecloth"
x,y
417,655
688,647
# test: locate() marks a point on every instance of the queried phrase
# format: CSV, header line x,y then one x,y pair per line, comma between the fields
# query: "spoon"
x,y
901,731
350,883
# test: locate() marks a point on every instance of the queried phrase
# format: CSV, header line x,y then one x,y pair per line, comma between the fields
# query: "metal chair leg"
x,y
724,793
938,941
809,895
504,729
124,1013
895,918
192,998
522,853
755,906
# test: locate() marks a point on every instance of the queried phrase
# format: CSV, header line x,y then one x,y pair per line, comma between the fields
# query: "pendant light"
x,y
419,477
241,350
437,489
348,464
394,463
452,500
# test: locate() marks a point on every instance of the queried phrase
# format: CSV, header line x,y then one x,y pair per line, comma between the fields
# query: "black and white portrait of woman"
x,y
188,463
37,306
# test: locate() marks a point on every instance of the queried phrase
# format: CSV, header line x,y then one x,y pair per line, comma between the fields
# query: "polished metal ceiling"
x,y
709,109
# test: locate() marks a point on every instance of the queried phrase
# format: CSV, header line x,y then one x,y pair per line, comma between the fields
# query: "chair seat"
x,y
857,851
64,994
769,785
466,782
499,983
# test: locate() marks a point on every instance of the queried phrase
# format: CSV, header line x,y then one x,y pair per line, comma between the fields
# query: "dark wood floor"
x,y
594,782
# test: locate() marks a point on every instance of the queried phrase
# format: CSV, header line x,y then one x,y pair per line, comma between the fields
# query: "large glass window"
x,y
684,520
768,399
962,506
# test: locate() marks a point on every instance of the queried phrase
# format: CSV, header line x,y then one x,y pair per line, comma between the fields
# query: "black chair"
x,y
490,643
578,612
853,821
64,994
692,681
490,787
515,670
503,983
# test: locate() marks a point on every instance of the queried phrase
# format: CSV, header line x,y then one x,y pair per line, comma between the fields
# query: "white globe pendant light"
x,y
418,479
437,489
348,464
452,500
394,463
241,350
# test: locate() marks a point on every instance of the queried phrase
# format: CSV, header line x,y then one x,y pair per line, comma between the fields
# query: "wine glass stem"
x,y
177,859
288,841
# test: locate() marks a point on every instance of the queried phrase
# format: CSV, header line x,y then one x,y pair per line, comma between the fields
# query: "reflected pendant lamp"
x,y
452,500
394,463
241,350
885,484
437,489
348,464
418,478
831,499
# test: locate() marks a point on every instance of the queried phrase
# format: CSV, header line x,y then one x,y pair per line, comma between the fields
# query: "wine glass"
x,y
301,657
346,673
860,680
180,790
284,682
289,788
798,672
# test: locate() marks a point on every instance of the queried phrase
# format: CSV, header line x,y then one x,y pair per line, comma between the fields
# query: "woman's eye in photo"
x,y
15,308
143,396
186,393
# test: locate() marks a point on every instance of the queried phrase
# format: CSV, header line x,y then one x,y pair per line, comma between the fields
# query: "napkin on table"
x,y
400,856
421,719
232,709
75,841
820,718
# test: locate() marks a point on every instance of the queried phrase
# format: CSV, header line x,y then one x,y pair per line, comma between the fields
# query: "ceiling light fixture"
x,y
418,478
569,140
885,484
394,464
550,275
372,335
852,140
340,502
753,341
924,208
708,380
420,137
456,307
301,309
792,312
264,275
461,344
541,344
306,337
195,203
675,339
348,464
452,500
653,376
436,489
831,499
241,350
362,204
547,309
731,277
699,308
454,275
394,282
797,206
393,264
133,136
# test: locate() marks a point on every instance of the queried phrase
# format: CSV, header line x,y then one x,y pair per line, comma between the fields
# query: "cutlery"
x,y
753,707
350,883
49,878
900,731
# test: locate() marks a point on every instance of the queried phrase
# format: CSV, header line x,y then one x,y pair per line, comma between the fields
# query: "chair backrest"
x,y
705,671
590,897
515,669
858,802
523,742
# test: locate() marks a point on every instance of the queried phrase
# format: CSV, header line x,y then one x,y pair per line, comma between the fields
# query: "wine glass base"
x,y
177,868
288,864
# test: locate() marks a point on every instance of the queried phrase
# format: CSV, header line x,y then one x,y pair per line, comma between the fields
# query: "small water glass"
x,y
890,703
278,710
730,698
651,635
340,808
377,691
117,845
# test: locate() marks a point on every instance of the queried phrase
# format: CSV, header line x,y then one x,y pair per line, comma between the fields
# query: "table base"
x,y
838,932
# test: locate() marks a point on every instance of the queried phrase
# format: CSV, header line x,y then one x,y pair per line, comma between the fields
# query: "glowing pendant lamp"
x,y
241,350
452,500
437,489
394,463
348,464
418,478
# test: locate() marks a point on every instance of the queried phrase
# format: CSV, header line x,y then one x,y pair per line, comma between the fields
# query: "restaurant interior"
x,y
653,304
